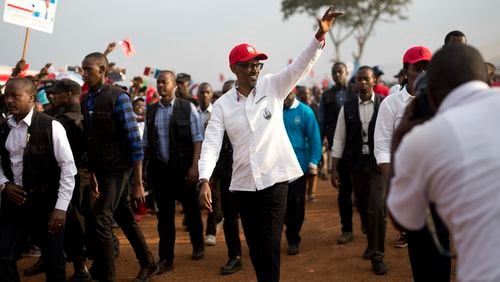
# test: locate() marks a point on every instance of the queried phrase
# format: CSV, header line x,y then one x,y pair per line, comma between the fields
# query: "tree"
x,y
359,19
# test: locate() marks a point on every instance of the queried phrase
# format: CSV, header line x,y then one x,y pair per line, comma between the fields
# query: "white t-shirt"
x,y
453,160
262,153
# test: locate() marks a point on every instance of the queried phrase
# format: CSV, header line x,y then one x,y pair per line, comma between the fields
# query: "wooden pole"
x,y
26,39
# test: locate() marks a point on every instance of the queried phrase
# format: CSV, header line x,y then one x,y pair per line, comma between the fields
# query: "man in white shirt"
x,y
353,142
452,161
391,110
37,178
263,158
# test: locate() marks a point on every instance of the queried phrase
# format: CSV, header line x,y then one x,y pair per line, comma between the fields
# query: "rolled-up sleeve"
x,y
64,157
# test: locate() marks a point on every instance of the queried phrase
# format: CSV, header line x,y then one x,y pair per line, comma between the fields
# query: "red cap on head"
x,y
244,52
417,54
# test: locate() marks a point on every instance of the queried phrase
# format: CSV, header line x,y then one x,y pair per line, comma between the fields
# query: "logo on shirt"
x,y
297,120
266,113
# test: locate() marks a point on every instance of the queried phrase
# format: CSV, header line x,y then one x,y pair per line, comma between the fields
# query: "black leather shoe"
x,y
146,272
37,268
292,250
232,265
379,267
81,273
198,253
165,266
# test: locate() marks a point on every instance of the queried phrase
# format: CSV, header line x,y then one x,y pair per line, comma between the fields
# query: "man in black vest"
x,y
113,150
172,140
354,143
36,181
331,102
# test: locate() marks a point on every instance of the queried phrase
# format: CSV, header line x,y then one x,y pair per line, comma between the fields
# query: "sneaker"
x,y
402,242
210,240
345,238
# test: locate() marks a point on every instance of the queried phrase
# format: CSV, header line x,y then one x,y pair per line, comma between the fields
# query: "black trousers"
x,y
231,216
170,185
16,223
427,264
113,202
215,217
369,187
345,196
295,209
262,216
74,237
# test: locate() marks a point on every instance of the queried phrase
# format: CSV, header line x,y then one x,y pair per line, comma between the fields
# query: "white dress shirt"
x,y
15,144
262,153
204,115
453,161
390,112
366,109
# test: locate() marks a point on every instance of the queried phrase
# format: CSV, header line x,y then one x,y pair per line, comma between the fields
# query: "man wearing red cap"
x,y
264,161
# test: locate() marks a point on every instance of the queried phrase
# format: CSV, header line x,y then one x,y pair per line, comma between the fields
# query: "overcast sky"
x,y
196,36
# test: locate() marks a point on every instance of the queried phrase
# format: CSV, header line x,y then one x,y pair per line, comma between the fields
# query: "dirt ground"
x,y
320,258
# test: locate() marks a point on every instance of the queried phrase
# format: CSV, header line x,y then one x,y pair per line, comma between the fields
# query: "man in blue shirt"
x,y
172,142
303,131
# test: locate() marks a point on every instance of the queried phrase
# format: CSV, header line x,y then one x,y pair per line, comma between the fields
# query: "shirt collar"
x,y
164,106
295,103
405,95
372,98
463,94
26,119
207,110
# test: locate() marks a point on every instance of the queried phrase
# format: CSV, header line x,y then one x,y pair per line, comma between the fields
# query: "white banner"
x,y
34,14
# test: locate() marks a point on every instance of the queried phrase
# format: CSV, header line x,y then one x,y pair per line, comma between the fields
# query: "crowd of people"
x,y
79,158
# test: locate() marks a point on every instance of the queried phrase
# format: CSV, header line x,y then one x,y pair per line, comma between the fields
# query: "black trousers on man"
x,y
16,223
369,187
345,196
295,210
262,215
231,214
427,263
169,185
113,202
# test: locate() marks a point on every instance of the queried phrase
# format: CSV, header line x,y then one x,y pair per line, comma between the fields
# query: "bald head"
x,y
452,66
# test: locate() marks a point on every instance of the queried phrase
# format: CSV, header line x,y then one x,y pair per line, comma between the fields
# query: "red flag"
x,y
127,47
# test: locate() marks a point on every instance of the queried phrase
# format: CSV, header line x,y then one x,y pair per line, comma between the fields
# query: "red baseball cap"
x,y
417,54
244,52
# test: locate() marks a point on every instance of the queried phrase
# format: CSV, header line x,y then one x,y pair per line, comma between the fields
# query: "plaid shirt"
x,y
162,124
123,110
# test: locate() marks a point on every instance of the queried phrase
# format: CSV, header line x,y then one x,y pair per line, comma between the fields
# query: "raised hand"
x,y
326,22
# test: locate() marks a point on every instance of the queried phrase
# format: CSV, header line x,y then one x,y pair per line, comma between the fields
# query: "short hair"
x,y
339,64
452,66
205,84
366,68
26,82
167,72
98,57
454,33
